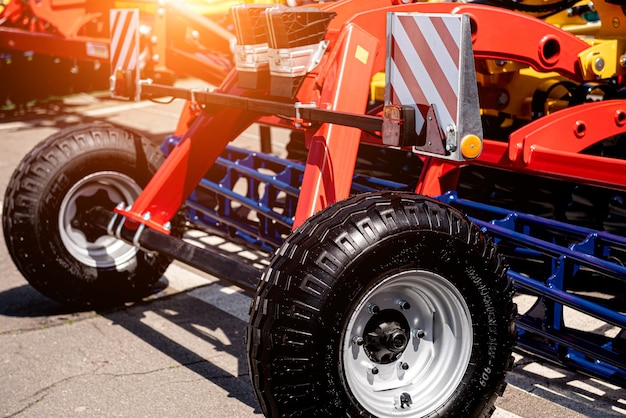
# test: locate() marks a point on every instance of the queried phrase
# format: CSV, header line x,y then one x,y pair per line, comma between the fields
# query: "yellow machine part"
x,y
3,4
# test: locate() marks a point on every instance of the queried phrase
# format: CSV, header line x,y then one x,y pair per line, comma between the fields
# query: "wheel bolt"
x,y
405,400
373,308
419,333
374,370
404,305
403,366
357,340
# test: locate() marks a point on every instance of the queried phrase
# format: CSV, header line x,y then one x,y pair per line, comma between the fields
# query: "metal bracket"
x,y
432,139
120,225
298,121
111,224
116,224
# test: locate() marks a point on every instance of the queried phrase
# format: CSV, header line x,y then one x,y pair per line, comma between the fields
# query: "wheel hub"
x,y
81,221
407,344
386,336
86,243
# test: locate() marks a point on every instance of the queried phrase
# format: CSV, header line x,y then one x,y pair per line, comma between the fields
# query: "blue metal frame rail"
x,y
551,260
251,197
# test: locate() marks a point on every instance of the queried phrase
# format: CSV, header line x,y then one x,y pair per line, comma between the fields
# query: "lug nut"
x,y
404,305
357,340
403,366
405,400
374,370
373,308
419,333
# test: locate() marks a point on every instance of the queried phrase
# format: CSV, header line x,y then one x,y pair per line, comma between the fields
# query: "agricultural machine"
x,y
488,161
52,47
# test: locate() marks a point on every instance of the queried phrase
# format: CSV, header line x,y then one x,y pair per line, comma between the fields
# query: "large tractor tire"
x,y
382,305
46,223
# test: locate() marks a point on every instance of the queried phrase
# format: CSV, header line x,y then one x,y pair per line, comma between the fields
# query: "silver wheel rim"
x,y
428,370
105,251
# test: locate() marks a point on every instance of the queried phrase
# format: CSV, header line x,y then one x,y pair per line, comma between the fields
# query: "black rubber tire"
x,y
325,269
33,205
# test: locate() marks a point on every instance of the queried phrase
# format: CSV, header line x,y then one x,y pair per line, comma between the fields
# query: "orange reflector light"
x,y
399,125
123,84
471,146
393,119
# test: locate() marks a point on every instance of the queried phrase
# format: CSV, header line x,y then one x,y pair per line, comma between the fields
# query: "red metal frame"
x,y
186,165
81,48
550,146
54,28
70,16
333,149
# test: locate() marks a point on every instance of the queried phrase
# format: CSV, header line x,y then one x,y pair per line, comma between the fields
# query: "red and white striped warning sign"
x,y
430,50
125,53
430,62
124,39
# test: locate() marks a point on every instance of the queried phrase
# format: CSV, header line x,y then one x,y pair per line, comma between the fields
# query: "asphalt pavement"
x,y
180,352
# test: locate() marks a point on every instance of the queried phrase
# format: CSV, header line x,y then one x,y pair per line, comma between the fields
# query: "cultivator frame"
x,y
550,146
564,251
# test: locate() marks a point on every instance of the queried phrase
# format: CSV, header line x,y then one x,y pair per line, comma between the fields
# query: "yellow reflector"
x,y
471,146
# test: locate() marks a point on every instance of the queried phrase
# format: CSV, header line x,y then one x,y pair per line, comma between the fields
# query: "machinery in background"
x,y
56,47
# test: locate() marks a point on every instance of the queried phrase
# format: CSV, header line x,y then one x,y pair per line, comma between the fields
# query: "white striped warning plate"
x,y
124,39
424,62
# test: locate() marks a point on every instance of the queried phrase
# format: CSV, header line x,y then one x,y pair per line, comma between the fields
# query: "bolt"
x,y
374,370
451,138
598,64
503,99
405,400
403,366
622,60
147,216
373,308
167,226
419,333
357,340
404,305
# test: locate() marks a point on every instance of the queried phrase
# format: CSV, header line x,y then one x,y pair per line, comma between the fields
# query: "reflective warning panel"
x,y
124,25
430,67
